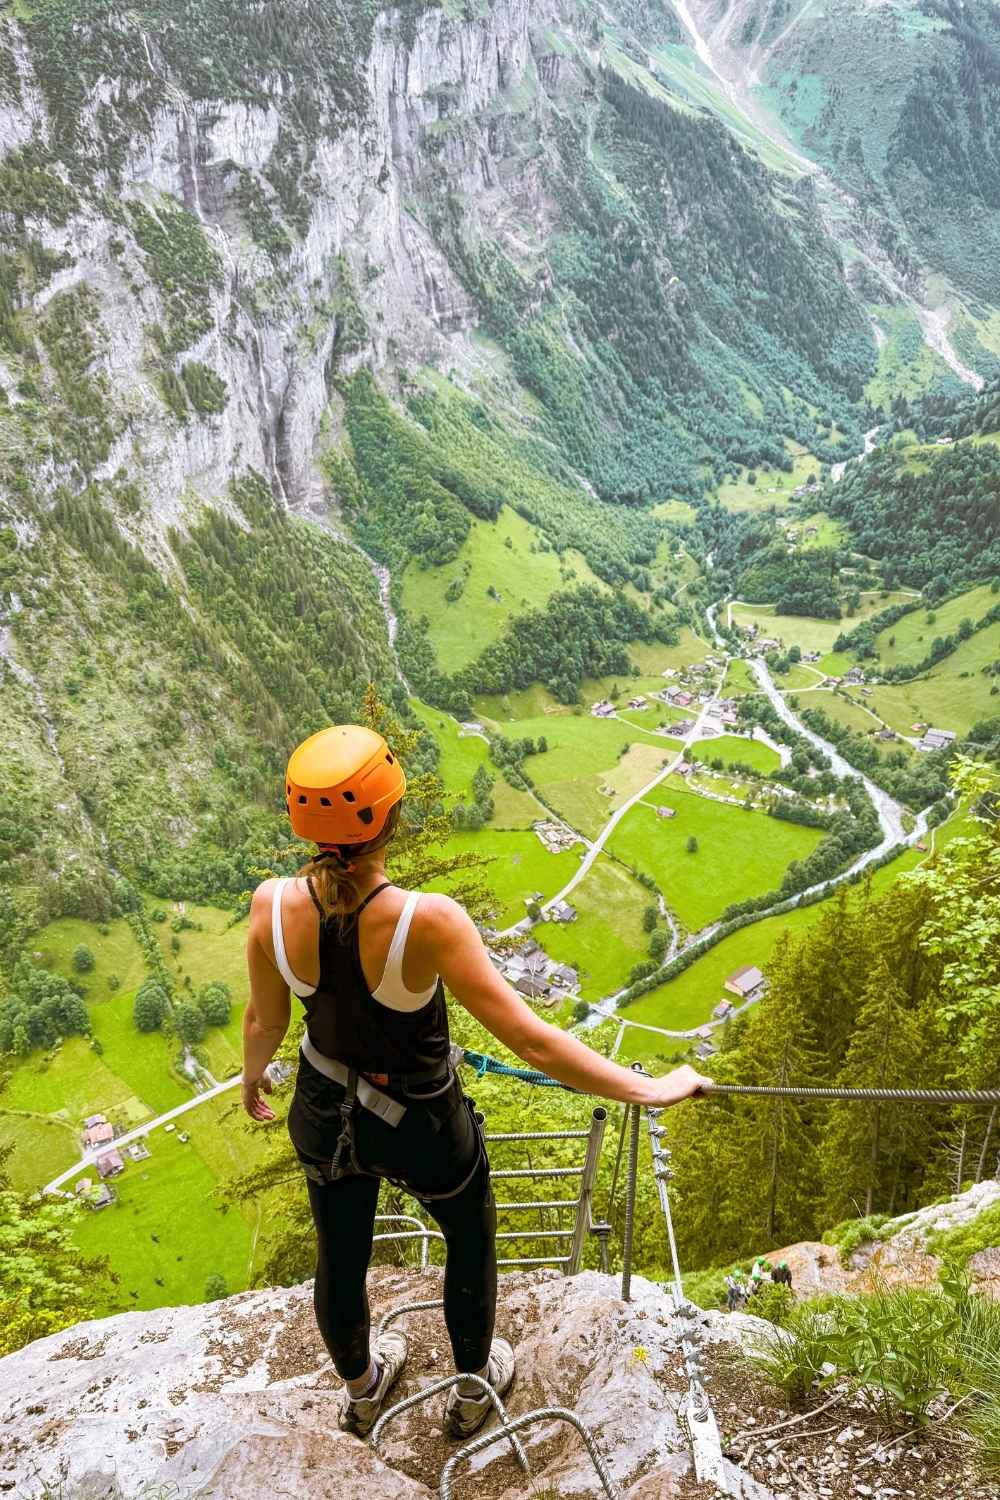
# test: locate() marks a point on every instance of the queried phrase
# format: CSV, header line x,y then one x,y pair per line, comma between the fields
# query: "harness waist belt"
x,y
369,1097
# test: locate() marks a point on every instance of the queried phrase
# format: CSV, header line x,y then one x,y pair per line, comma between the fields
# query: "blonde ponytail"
x,y
334,877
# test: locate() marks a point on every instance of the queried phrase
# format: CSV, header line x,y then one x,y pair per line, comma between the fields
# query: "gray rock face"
x,y
238,1397
439,122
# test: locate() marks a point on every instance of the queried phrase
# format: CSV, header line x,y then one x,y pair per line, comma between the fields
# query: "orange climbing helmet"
x,y
341,785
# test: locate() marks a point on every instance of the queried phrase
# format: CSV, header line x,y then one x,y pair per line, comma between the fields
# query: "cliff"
x,y
237,1397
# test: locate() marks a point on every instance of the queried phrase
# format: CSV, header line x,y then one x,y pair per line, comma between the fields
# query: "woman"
x,y
376,1096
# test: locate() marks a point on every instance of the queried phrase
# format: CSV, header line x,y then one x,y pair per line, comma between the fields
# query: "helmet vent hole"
x,y
325,802
302,800
349,797
366,815
389,760
288,789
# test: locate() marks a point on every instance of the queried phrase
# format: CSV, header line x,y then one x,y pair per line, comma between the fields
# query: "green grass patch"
x,y
806,631
116,953
908,641
607,937
689,1000
143,1062
740,853
739,679
520,865
73,1083
772,490
521,574
175,1187
42,1148
462,754
735,747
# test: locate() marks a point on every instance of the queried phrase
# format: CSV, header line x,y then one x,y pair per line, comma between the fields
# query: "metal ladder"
x,y
580,1205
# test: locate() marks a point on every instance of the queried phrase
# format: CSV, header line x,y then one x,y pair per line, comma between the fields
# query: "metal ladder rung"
x,y
550,1203
536,1234
538,1172
539,1135
536,1260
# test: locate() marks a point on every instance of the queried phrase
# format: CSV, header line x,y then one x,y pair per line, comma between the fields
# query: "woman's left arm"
x,y
268,1011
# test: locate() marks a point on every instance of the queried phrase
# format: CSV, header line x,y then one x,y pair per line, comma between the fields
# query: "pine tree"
x,y
866,1143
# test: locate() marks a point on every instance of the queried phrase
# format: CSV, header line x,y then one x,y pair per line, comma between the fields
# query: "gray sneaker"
x,y
464,1415
389,1352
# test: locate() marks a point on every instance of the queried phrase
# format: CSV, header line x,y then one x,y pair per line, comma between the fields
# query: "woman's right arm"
x,y
460,957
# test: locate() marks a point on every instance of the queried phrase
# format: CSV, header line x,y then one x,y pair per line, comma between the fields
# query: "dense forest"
x,y
952,508
889,990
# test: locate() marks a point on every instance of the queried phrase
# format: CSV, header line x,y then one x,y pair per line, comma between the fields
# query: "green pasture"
x,y
71,1082
739,679
689,1000
773,488
143,1061
649,658
116,953
522,574
947,699
740,853
829,533
519,865
607,937
176,1186
582,753
805,630
41,1148
681,512
908,641
734,747
462,754
798,678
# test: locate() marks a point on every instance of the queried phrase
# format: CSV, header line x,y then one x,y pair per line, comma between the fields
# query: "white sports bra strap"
x,y
391,989
297,986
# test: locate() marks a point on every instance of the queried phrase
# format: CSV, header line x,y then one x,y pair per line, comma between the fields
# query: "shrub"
x,y
958,1244
792,1358
150,1007
83,959
851,1233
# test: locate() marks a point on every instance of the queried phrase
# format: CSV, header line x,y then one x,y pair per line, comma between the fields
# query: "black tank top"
x,y
346,1022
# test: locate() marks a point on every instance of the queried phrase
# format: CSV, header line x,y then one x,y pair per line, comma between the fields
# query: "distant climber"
x,y
376,1096
736,1292
781,1275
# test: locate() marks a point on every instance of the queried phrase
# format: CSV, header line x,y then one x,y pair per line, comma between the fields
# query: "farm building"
x,y
603,710
98,1134
564,975
936,739
139,1151
748,982
723,1009
561,911
532,987
110,1164
666,812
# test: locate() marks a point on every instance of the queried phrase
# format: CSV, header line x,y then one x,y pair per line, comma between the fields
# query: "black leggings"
x,y
432,1150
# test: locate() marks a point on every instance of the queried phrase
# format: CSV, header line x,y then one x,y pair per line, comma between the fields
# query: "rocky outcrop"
x,y
238,1397
898,1254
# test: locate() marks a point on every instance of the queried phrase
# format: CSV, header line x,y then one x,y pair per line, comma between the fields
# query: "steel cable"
x,y
902,1096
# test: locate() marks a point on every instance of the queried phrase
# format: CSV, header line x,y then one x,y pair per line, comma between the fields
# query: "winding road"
x,y
890,815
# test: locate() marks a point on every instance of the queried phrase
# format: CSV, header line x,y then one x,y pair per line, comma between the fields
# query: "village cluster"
x,y
98,1135
530,970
